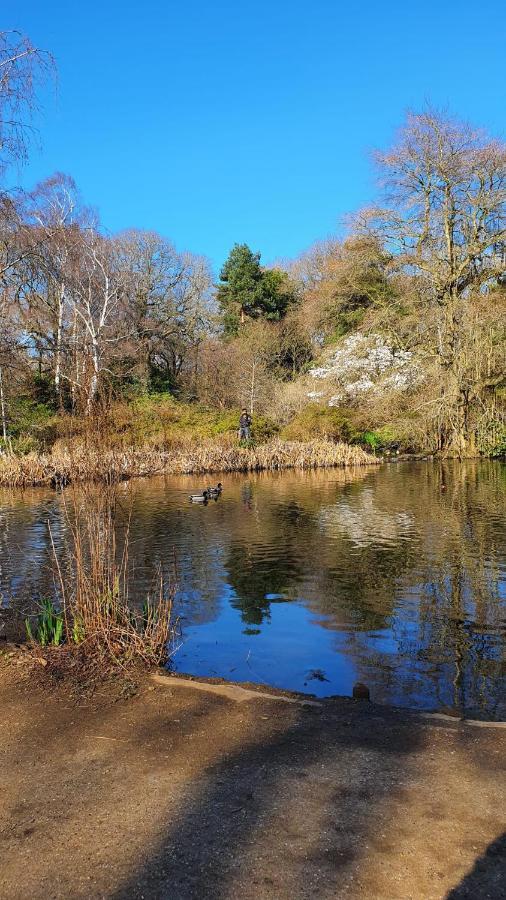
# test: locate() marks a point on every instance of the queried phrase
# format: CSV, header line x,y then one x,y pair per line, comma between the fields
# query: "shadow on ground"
x,y
487,877
181,794
287,815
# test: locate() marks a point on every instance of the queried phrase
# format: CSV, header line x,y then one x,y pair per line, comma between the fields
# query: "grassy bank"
x,y
153,435
91,459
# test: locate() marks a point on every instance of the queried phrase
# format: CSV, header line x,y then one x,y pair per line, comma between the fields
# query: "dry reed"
x,y
93,461
103,628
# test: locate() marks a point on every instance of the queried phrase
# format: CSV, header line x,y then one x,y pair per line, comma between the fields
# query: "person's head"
x,y
244,410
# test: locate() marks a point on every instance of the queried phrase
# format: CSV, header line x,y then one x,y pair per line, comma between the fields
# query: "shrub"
x,y
491,437
318,421
31,425
99,628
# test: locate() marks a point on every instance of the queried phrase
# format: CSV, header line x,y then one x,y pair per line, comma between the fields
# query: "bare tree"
x,y
56,218
445,225
22,69
96,294
169,296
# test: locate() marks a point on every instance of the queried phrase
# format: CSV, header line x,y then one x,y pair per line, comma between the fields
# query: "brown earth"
x,y
179,792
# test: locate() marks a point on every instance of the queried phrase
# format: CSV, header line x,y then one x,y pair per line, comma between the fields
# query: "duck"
x,y
215,491
199,498
59,481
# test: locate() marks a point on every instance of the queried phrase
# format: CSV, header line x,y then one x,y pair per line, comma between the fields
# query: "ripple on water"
x,y
376,576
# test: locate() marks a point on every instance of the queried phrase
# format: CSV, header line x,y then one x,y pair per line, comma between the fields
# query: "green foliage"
x,y
31,425
150,615
278,295
292,350
44,392
371,440
316,420
491,438
25,443
246,291
346,321
48,628
263,429
78,631
378,439
160,421
349,426
240,291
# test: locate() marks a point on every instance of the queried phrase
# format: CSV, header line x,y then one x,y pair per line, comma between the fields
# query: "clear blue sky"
x,y
221,122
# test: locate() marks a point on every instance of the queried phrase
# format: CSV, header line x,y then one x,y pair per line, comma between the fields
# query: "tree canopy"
x,y
246,291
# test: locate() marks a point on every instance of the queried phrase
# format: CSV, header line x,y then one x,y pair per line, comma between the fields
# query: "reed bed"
x,y
91,461
101,629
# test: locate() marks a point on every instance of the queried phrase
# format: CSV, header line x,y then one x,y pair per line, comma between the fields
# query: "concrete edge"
x,y
242,694
232,691
476,723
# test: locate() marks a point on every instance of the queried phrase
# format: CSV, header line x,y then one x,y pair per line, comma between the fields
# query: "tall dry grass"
x,y
92,460
104,627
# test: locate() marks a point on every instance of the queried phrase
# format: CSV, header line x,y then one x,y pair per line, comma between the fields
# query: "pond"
x,y
394,576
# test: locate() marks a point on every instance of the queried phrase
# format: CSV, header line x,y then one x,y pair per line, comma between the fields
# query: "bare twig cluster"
x,y
104,628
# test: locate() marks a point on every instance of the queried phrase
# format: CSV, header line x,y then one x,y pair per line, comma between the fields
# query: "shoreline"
x,y
245,690
87,462
66,467
14,653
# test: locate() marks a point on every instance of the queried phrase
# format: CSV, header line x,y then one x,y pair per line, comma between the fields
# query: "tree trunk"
x,y
92,393
252,388
3,411
57,365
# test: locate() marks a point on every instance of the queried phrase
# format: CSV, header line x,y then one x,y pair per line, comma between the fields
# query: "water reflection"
x,y
393,576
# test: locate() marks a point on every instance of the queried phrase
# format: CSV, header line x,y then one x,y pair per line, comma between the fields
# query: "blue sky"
x,y
221,122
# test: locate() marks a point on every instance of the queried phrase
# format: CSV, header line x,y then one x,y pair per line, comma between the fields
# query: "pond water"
x,y
394,576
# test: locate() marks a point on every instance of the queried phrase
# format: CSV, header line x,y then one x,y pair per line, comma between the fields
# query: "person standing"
x,y
245,426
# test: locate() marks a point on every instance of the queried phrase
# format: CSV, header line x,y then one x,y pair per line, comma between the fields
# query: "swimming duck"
x,y
215,491
199,498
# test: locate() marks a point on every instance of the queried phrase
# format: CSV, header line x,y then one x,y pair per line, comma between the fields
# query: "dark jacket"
x,y
245,421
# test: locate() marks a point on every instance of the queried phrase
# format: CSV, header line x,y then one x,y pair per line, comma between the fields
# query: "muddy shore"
x,y
180,792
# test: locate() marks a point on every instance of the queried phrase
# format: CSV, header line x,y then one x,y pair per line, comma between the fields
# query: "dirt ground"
x,y
180,793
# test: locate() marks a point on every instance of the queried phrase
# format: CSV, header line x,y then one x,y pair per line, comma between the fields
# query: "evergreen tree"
x,y
240,291
246,291
278,294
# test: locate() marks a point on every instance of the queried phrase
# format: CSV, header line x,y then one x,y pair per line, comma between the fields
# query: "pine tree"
x,y
246,291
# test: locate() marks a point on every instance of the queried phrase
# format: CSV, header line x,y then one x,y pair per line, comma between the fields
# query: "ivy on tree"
x,y
247,291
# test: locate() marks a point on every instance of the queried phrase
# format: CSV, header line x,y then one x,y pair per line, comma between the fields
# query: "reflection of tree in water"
x,y
448,615
362,593
253,575
402,563
365,521
462,619
26,557
355,554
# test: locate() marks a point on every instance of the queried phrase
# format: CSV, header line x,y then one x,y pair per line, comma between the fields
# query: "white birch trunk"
x,y
3,411
59,328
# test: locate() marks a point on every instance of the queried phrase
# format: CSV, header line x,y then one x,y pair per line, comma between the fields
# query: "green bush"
x,y
316,420
370,439
491,438
378,439
31,425
159,420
